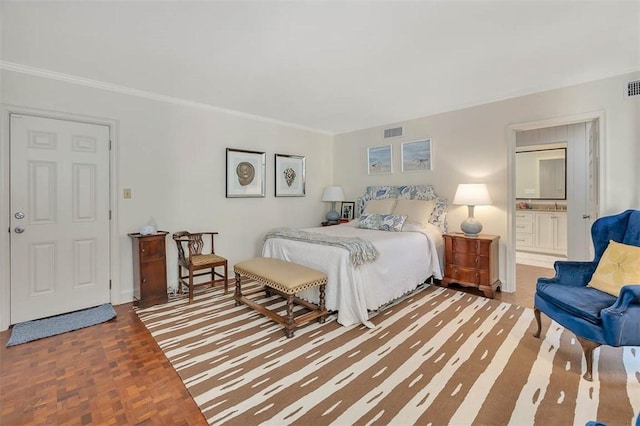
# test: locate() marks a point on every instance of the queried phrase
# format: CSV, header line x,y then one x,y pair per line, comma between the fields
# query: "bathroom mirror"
x,y
541,174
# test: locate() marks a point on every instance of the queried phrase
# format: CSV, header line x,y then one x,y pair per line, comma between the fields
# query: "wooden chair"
x,y
193,263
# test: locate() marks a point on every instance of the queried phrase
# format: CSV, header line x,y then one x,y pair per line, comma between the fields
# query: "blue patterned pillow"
x,y
382,222
439,215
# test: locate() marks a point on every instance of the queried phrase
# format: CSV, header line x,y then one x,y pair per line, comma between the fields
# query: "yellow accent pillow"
x,y
619,266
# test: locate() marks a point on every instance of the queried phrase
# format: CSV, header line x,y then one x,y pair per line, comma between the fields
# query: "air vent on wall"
x,y
632,89
392,133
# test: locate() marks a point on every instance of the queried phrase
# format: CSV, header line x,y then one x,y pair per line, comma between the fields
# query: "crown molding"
x,y
96,84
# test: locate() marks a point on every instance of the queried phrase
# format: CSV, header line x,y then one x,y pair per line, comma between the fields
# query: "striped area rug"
x,y
438,357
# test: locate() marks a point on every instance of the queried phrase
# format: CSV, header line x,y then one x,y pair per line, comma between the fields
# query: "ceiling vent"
x,y
392,133
632,89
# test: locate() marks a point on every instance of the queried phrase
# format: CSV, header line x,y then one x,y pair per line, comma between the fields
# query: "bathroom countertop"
x,y
543,209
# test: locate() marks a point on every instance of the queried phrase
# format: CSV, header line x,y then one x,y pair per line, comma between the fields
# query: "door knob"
x,y
19,215
19,229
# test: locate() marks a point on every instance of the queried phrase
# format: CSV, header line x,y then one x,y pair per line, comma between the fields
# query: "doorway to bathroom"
x,y
555,228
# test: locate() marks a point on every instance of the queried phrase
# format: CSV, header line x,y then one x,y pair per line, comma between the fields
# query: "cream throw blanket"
x,y
360,251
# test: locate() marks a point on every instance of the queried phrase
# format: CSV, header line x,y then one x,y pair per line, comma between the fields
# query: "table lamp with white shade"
x,y
471,195
333,194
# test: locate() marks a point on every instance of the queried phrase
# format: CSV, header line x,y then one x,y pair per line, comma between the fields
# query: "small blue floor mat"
x,y
37,329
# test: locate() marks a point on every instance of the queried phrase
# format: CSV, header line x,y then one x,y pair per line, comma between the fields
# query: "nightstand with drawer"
x,y
149,269
472,262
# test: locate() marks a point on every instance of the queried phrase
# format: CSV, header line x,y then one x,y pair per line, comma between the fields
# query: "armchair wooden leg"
x,y
190,286
587,347
179,288
226,279
536,312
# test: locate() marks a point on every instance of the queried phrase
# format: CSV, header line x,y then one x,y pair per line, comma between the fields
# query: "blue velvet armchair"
x,y
595,317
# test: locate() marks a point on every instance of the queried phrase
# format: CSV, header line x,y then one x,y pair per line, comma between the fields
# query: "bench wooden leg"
x,y
238,294
289,323
322,301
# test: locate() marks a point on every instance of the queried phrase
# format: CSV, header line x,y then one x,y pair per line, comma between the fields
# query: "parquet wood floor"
x,y
109,374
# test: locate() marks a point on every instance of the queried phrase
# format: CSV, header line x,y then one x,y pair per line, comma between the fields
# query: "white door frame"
x,y
510,285
5,258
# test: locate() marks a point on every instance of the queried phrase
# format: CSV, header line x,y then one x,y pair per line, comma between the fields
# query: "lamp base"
x,y
471,227
333,216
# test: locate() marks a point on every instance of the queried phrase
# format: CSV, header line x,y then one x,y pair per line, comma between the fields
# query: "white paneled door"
x,y
582,187
59,216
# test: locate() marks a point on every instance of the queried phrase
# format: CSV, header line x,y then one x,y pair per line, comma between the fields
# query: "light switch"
x,y
127,192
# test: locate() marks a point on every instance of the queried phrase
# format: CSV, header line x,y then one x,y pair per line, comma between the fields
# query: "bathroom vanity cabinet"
x,y
542,231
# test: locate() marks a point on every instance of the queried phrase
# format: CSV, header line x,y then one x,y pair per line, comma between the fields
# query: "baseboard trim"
x,y
536,259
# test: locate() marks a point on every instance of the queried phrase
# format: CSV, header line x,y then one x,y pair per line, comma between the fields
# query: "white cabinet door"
x,y
560,232
551,232
544,231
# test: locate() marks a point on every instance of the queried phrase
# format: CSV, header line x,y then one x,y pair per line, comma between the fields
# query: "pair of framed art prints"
x,y
415,157
247,172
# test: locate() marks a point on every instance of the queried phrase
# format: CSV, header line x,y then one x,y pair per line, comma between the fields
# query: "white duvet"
x,y
406,260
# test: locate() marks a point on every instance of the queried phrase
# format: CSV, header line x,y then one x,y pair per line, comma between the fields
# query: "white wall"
x,y
473,145
173,158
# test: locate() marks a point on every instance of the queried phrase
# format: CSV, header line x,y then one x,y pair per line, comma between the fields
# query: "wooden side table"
x,y
149,269
472,262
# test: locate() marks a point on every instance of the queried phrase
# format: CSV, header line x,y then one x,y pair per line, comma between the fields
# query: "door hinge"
x,y
109,144
109,284
109,214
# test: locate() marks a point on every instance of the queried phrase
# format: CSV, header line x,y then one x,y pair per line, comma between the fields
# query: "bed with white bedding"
x,y
404,259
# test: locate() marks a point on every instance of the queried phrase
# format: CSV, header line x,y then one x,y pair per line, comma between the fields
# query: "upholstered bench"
x,y
285,279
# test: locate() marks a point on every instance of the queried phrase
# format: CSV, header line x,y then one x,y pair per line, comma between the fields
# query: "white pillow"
x,y
380,206
417,211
